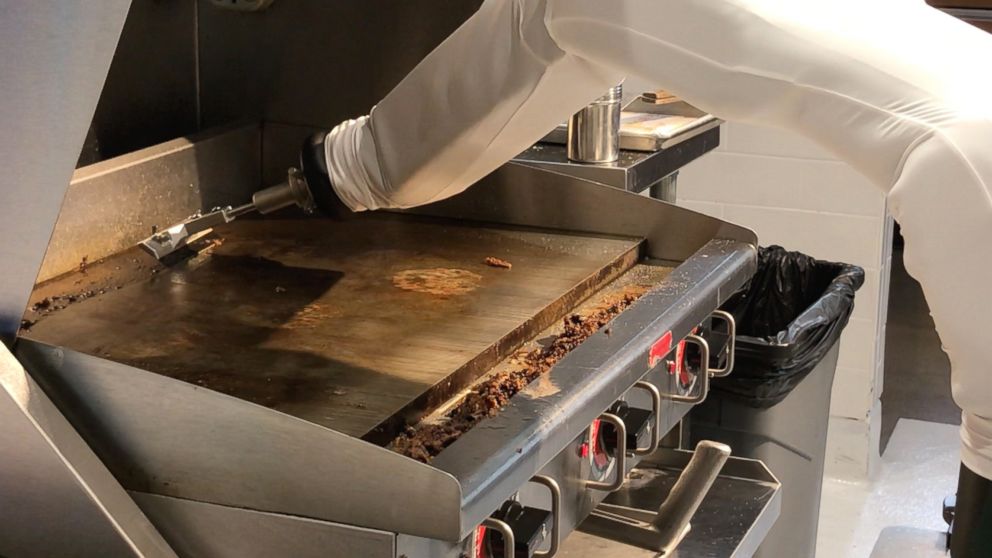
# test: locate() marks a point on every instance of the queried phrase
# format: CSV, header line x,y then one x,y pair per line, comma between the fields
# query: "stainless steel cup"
x,y
594,132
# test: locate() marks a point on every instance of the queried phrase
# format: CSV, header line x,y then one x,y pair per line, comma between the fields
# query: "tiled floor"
x,y
919,467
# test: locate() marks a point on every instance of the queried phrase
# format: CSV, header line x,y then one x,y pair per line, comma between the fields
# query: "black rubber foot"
x,y
971,531
313,164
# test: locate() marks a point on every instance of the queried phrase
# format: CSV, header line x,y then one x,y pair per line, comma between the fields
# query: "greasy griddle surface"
x,y
346,324
527,367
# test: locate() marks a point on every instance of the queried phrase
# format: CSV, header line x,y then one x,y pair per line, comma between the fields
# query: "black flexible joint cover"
x,y
313,164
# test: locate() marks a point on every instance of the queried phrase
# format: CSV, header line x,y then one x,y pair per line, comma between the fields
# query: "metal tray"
x,y
733,519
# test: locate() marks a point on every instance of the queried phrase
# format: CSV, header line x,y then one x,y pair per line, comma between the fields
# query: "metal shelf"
x,y
636,171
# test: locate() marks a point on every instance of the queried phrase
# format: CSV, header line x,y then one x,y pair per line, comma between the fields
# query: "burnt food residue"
x,y
426,440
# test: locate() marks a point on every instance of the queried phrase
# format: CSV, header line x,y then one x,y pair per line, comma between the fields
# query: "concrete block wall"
x,y
794,194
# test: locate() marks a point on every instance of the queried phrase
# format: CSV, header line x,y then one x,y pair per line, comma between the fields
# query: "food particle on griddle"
x,y
84,264
339,392
280,289
497,262
26,324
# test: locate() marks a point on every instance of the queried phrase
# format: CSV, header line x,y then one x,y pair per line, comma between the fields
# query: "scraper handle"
x,y
675,513
294,191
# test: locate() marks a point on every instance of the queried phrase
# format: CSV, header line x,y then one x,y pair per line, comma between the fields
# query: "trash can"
x,y
775,405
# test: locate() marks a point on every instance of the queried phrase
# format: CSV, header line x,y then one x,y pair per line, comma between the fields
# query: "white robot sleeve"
x,y
891,86
490,90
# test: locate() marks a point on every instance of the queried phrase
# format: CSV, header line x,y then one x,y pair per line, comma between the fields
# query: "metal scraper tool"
x,y
292,192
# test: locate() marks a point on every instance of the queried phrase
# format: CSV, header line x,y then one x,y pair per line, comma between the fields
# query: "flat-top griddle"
x,y
344,324
265,375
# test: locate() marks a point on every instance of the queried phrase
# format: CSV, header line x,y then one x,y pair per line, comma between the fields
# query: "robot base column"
x,y
971,527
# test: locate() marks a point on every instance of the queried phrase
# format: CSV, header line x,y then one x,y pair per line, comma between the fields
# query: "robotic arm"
x,y
519,67
889,86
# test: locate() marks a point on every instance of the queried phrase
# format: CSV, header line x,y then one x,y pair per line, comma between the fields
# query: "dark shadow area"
x,y
917,383
313,62
150,93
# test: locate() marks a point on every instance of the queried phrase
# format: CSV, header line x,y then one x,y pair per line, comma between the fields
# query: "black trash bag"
x,y
788,318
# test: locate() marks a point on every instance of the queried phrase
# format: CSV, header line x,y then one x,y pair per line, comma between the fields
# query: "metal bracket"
x,y
731,343
504,528
555,490
703,378
620,461
656,410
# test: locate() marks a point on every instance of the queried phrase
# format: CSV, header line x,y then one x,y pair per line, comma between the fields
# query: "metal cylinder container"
x,y
594,131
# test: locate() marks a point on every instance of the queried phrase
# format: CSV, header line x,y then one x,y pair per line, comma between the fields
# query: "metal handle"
x,y
703,378
509,543
555,490
731,344
656,410
292,192
675,513
621,458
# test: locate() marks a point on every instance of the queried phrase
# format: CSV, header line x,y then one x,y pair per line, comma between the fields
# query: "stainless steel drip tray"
x,y
733,519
